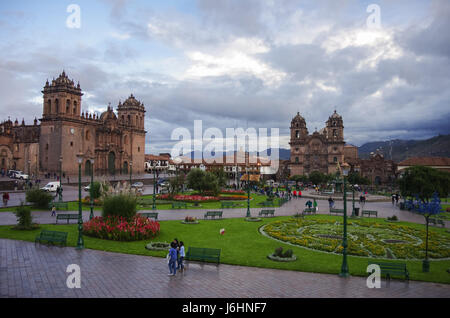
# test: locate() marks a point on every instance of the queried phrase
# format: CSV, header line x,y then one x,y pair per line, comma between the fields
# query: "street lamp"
x,y
154,185
92,189
131,169
248,192
80,242
60,179
344,268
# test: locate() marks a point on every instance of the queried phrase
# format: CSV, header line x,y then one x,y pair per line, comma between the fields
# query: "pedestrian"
x,y
397,197
309,204
393,199
172,256
299,193
315,205
53,210
180,260
5,198
331,202
294,193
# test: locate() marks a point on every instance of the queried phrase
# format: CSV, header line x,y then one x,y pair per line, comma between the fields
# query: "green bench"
x,y
266,212
153,215
228,204
369,213
52,237
337,211
60,206
326,193
179,205
436,222
212,214
267,203
309,211
203,254
391,269
64,216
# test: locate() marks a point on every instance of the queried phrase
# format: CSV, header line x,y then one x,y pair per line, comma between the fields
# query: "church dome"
x,y
336,115
108,115
298,121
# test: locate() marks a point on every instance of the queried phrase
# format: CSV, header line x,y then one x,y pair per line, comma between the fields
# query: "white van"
x,y
51,186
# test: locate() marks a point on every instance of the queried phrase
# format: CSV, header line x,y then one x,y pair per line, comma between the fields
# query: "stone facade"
x,y
320,151
113,142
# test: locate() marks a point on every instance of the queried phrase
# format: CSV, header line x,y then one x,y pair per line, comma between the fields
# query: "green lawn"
x,y
241,244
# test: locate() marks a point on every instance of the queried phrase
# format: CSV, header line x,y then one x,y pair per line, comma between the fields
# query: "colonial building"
x,y
109,142
320,151
440,163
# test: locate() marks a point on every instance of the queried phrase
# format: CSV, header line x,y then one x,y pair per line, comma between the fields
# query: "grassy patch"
x,y
242,244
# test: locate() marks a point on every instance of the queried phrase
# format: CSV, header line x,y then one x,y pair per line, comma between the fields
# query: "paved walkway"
x,y
385,209
27,270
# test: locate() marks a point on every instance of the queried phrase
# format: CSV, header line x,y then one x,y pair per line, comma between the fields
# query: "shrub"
x,y
279,253
96,190
288,254
38,198
190,219
24,218
120,205
119,228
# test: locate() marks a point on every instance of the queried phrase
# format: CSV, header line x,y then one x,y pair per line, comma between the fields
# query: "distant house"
x,y
440,163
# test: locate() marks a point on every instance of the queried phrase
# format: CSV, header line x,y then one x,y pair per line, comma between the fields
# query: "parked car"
x,y
21,176
87,188
12,173
137,185
51,186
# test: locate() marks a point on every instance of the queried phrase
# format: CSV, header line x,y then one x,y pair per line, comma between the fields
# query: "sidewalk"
x,y
39,271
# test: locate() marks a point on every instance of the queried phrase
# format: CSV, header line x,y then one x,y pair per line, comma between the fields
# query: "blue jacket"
x,y
173,254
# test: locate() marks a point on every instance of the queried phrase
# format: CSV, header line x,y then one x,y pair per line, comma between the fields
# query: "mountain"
x,y
399,150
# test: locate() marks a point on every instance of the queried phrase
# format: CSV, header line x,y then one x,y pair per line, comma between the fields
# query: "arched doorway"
x,y
111,163
87,168
377,180
125,167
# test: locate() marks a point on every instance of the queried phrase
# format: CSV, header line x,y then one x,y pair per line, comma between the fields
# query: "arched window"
x,y
129,120
296,159
88,135
75,108
56,106
335,159
334,132
49,107
68,106
297,134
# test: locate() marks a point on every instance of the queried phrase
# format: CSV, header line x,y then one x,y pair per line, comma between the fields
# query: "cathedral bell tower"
x,y
335,128
299,134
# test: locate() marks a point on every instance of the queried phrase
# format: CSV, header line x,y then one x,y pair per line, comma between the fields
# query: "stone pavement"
x,y
384,209
39,271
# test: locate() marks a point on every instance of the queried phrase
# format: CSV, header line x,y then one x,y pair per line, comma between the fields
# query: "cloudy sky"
x,y
237,63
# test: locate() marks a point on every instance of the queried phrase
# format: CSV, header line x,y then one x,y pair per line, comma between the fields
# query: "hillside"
x,y
399,150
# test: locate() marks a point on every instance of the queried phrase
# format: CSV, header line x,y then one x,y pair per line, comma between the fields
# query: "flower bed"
x,y
367,239
200,198
189,220
232,191
158,246
119,229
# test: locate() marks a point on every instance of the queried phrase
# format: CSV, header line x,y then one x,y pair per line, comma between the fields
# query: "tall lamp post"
x,y
344,268
131,171
80,242
154,185
60,178
91,188
248,192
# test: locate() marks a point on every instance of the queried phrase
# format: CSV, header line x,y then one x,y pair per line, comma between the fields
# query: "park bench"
x,y
64,216
309,211
327,193
369,213
52,237
212,214
203,254
436,222
60,206
266,212
153,215
337,211
267,203
391,269
179,205
228,204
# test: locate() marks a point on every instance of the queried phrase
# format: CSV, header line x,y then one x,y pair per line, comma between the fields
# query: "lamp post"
x,y
344,268
154,186
91,188
248,192
80,242
131,171
60,178
353,201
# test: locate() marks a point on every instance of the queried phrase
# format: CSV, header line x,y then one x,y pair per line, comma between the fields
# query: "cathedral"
x,y
110,143
320,151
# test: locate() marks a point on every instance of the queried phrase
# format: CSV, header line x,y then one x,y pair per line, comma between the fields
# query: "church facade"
x,y
319,151
109,143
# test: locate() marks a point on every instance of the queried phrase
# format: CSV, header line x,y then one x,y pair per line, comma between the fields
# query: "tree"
x,y
424,184
298,178
202,181
221,176
355,178
176,184
317,177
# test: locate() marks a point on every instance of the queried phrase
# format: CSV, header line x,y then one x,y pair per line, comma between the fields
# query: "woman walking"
x,y
181,258
172,260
